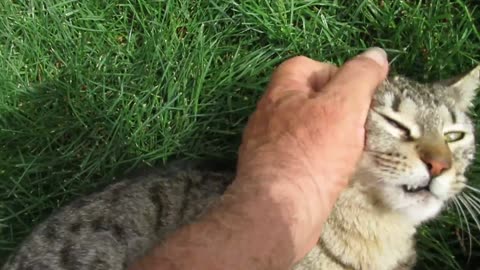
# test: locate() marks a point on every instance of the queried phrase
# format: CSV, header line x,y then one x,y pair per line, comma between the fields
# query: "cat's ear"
x,y
463,88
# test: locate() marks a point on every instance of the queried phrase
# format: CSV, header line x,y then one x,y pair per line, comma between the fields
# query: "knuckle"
x,y
296,60
300,58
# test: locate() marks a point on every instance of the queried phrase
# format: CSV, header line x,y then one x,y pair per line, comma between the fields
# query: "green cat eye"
x,y
454,136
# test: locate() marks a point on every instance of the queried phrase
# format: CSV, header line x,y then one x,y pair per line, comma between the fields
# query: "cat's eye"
x,y
454,136
406,131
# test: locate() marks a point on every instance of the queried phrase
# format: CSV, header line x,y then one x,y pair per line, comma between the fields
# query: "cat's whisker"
x,y
475,204
472,188
470,210
458,205
473,212
474,197
453,204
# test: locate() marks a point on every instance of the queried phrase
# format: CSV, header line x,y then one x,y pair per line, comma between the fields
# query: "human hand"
x,y
308,133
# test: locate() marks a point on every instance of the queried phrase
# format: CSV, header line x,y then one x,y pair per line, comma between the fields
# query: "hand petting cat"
x,y
307,134
299,149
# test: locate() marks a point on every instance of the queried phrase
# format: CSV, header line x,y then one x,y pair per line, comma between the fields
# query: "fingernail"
x,y
376,54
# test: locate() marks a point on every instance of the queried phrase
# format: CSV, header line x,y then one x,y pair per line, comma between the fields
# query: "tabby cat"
x,y
419,143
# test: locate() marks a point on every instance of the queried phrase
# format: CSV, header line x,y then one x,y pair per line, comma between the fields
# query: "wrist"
x,y
261,219
252,227
292,200
306,196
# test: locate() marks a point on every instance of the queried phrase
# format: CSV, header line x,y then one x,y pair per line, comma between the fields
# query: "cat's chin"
x,y
417,206
423,207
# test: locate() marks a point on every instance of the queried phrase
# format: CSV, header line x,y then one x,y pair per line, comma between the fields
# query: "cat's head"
x,y
420,142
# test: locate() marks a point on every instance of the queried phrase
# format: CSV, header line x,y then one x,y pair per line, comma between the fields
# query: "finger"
x,y
356,81
298,74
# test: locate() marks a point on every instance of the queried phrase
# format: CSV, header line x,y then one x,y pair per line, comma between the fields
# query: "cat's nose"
x,y
437,165
436,155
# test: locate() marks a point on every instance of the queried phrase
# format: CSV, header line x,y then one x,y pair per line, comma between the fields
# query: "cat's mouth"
x,y
416,188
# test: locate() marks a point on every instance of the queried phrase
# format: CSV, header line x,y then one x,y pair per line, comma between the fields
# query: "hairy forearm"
x,y
250,228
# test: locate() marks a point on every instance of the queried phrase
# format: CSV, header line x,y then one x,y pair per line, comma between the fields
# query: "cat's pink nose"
x,y
437,165
436,155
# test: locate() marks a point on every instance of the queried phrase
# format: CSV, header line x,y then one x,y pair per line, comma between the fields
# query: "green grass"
x,y
91,89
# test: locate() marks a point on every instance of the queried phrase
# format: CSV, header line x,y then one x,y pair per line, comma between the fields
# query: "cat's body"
x,y
419,144
109,229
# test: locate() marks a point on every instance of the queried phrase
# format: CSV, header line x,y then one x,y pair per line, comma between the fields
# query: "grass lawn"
x,y
91,89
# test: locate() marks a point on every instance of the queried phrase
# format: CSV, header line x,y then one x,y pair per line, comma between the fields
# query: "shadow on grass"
x,y
61,141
